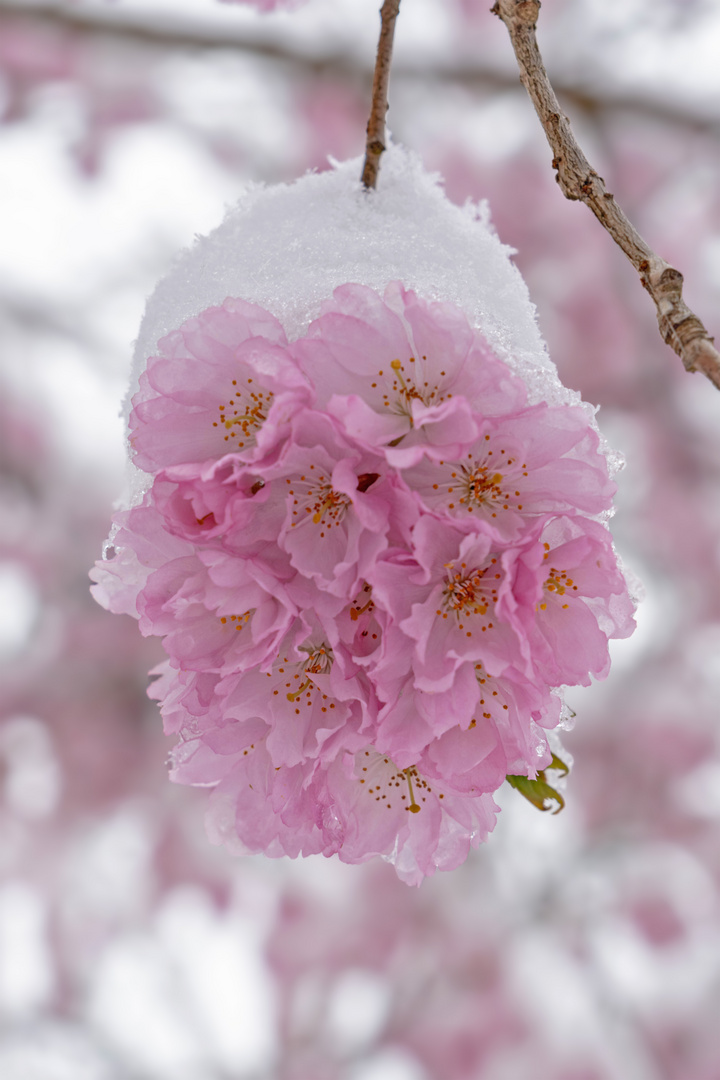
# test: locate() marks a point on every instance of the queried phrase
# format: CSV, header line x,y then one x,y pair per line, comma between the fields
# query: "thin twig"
x,y
679,327
375,143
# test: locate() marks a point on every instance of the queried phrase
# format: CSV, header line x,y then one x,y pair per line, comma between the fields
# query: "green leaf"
x,y
559,764
539,792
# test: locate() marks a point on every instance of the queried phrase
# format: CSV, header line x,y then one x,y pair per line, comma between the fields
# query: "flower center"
x,y
413,807
406,387
244,413
558,584
391,787
366,629
315,499
319,661
357,610
331,503
476,485
238,621
469,593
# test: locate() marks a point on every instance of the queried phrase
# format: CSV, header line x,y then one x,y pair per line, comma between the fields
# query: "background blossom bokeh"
x,y
583,946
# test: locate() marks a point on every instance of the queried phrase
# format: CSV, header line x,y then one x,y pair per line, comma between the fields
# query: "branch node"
x,y
671,279
528,12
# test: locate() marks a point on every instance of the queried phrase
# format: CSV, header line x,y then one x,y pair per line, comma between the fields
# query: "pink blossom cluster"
x,y
371,562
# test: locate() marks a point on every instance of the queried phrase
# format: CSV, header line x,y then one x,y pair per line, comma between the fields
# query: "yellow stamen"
x,y
296,694
413,807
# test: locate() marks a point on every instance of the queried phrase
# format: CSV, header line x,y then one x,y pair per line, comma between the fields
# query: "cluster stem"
x,y
375,142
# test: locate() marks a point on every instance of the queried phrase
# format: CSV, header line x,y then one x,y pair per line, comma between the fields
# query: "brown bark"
x,y
679,326
375,143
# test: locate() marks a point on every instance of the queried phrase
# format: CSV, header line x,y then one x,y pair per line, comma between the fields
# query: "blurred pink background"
x,y
584,946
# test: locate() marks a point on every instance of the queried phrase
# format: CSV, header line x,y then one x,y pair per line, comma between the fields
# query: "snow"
x,y
287,246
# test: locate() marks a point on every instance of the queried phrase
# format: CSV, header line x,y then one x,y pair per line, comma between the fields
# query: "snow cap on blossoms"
x,y
287,247
367,523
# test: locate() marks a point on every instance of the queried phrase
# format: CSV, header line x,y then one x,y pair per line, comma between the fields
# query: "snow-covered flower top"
x,y
372,563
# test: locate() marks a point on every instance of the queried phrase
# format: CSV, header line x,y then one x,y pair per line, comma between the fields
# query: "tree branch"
x,y
679,326
375,143
150,31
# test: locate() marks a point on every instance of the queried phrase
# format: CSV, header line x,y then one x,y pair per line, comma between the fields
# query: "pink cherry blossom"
x,y
338,500
217,384
256,806
382,810
371,564
140,545
308,694
224,616
539,460
445,600
582,601
397,368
